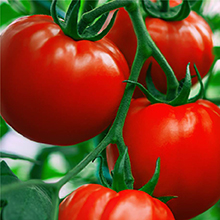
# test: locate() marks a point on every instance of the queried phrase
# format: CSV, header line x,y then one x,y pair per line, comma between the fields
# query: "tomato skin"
x,y
95,202
181,42
186,138
53,89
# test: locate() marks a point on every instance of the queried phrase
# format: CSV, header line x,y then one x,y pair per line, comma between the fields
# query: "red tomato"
x,y
186,138
181,42
54,89
95,202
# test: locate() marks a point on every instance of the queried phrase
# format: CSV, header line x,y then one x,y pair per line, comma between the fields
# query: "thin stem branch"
x,y
90,157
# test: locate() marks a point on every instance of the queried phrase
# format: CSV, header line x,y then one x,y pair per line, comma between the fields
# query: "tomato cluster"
x,y
61,91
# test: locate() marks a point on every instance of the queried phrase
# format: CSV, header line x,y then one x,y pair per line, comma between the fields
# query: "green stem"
x,y
55,202
90,157
172,82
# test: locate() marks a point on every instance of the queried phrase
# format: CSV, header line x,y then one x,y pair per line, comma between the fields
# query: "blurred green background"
x,y
54,161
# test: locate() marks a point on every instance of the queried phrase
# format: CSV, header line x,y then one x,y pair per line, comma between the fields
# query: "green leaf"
x,y
19,7
196,5
7,14
27,203
3,127
213,88
214,22
216,51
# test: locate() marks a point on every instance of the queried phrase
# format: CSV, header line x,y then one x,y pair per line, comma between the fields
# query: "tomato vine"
x,y
146,48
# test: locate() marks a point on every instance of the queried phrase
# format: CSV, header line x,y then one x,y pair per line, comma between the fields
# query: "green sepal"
x,y
77,28
94,28
183,90
119,182
103,180
89,32
166,199
200,94
180,99
176,13
71,20
151,184
69,24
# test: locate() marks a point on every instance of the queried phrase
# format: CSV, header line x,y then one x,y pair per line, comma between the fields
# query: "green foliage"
x,y
26,203
3,128
7,13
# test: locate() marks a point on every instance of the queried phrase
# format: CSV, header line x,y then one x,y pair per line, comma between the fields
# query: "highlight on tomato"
x,y
93,201
53,88
186,138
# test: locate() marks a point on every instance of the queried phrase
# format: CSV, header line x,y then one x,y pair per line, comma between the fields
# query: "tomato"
x,y
186,138
181,42
54,89
95,202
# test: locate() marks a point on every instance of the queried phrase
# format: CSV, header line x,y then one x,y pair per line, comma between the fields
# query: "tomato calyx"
x,y
121,182
183,90
161,9
80,30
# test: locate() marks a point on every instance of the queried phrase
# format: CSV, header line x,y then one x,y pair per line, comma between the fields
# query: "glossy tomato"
x,y
186,138
95,202
54,89
181,42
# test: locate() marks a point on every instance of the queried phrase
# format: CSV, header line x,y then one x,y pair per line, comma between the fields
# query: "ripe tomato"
x,y
95,202
181,42
186,138
54,89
